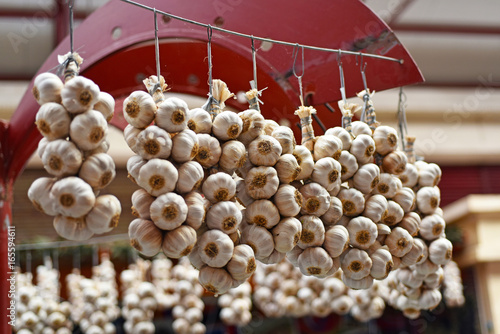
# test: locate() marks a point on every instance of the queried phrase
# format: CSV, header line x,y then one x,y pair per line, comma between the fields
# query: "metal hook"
x,y
342,81
157,47
299,77
209,47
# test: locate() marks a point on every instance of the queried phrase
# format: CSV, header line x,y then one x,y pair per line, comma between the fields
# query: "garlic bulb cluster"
x,y
453,288
236,306
73,120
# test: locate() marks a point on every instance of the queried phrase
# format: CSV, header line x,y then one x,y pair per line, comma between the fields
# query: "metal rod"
x,y
157,47
209,52
71,3
342,81
254,62
310,47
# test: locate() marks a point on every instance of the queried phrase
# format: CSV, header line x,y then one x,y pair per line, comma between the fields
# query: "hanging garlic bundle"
x,y
236,306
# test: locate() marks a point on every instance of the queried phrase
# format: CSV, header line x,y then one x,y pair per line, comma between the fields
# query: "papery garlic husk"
x,y
61,158
400,242
141,202
185,146
130,134
52,120
416,254
262,182
105,105
395,162
286,138
357,284
432,227
287,234
145,236
430,299
79,94
388,185
363,148
359,127
264,151
327,173
334,212
269,126
353,201
293,255
262,213
253,125
191,176
72,228
336,240
406,198
242,264
375,207
98,170
209,150
227,125
288,200
349,165
134,165
47,88
179,242
171,115
428,199
199,121
224,216
260,239
139,109
40,195
305,160
316,199
315,261
242,195
394,214
356,263
411,222
157,176
73,197
327,146
168,211
152,142
382,263
42,144
409,177
88,130
440,251
196,209
215,280
313,232
383,231
342,134
429,174
287,168
219,187
362,232
195,258
233,156
386,139
215,248
366,178
105,214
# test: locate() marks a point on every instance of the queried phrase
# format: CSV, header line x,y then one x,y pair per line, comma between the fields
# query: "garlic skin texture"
x,y
386,139
315,261
428,199
316,199
362,232
242,264
286,234
152,142
406,198
139,109
334,212
393,215
336,240
285,136
233,156
382,263
288,200
215,248
157,176
105,214
375,207
145,237
432,227
429,174
342,134
224,216
72,228
52,120
264,151
141,202
61,158
400,242
227,125
262,182
356,263
327,173
353,201
47,88
287,168
253,125
190,177
185,146
88,130
168,211
219,187
388,185
395,162
440,251
179,242
40,195
79,94
366,178
105,105
215,280
209,150
260,239
262,213
313,232
134,164
305,160
411,222
363,148
130,134
409,177
172,115
327,146
199,121
196,209
98,170
73,197
348,165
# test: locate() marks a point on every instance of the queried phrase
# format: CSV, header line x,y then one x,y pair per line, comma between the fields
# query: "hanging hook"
x,y
295,53
209,47
341,72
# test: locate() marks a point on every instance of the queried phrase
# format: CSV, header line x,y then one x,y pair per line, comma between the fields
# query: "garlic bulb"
x,y
356,263
79,94
316,199
105,214
426,267
157,176
393,215
416,253
375,207
429,175
41,146
105,105
293,255
363,148
440,251
179,242
191,175
260,239
141,202
130,135
366,178
209,150
287,168
262,213
196,209
262,182
336,240
199,121
98,170
406,198
215,248
315,261
313,232
386,139
184,146
242,264
305,161
286,138
145,236
342,134
288,200
233,156
287,234
348,164
327,173
269,126
52,120
88,130
242,195
400,242
168,211
47,88
430,299
219,187
409,177
264,151
153,142
134,165
411,223
72,228
172,115
382,263
41,197
139,109
215,280
61,158
428,199
327,146
388,185
353,201
253,125
395,162
362,232
227,125
359,128
334,212
224,216
73,197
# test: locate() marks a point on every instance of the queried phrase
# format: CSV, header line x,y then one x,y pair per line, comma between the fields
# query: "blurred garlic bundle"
x,y
236,306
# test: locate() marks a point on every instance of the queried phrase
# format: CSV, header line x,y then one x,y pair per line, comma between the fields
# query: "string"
x,y
254,61
71,3
157,49
299,77
209,47
366,97
342,82
402,125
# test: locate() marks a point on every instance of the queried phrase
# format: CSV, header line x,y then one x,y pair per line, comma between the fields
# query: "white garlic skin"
x,y
253,125
264,151
209,150
286,234
152,142
184,146
395,162
171,115
432,227
219,187
359,128
190,177
79,94
356,263
72,228
242,264
428,199
315,261
386,139
145,236
168,211
262,213
215,248
353,202
179,242
287,168
362,232
305,160
61,158
366,178
139,109
409,177
41,197
141,202
88,130
98,170
260,239
336,240
342,134
349,165
316,199
199,121
196,209
313,232
47,88
224,216
233,156
105,105
73,197
327,146
400,242
288,200
157,176
286,138
105,214
375,207
134,164
363,148
52,120
440,251
227,125
215,280
262,182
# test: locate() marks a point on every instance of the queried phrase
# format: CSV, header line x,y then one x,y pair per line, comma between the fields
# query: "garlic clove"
x,y
342,134
428,199
79,94
139,109
52,120
61,158
72,228
199,121
334,212
105,214
73,197
327,146
394,214
98,170
185,146
260,239
47,88
233,156
179,242
416,254
411,222
168,211
432,227
88,130
382,263
130,134
134,164
242,195
388,185
358,284
253,125
196,209
359,128
141,203
348,165
242,264
145,237
375,207
406,198
286,234
287,168
157,176
172,115
227,125
366,178
215,248
409,177
429,174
